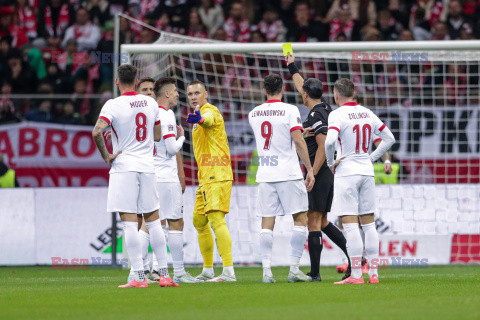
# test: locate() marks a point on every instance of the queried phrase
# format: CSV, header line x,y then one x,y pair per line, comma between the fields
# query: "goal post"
x,y
426,91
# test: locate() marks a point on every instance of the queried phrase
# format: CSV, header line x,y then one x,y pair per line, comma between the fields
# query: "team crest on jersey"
x,y
299,120
194,126
170,127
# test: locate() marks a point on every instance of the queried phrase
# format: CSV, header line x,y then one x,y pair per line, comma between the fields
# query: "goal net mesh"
x,y
429,99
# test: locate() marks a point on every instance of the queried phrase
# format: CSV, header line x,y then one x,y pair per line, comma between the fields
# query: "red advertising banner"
x,y
50,155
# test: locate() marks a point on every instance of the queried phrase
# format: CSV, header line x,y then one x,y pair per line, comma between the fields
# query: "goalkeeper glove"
x,y
195,118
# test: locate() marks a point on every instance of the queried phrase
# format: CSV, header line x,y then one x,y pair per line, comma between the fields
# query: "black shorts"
x,y
321,196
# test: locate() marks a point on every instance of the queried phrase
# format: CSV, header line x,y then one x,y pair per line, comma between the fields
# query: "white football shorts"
x,y
132,192
353,195
282,198
171,200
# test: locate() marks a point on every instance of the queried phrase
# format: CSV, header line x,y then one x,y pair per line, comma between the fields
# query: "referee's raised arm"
x,y
295,72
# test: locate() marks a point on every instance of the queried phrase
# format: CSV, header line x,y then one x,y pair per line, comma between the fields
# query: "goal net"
x,y
428,97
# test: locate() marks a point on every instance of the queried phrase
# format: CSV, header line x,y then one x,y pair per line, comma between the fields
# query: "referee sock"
x,y
338,238
134,248
266,245
372,247
354,247
175,242
315,247
157,240
299,237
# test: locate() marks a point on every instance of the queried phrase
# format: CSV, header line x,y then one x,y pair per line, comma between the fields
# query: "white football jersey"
x,y
132,117
165,165
357,126
272,124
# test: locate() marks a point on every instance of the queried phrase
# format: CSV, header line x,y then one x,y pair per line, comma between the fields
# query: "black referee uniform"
x,y
321,196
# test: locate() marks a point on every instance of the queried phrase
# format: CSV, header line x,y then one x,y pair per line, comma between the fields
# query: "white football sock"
x,y
372,247
157,240
299,237
145,239
344,257
154,261
229,271
354,247
208,271
134,248
175,242
165,231
266,245
362,234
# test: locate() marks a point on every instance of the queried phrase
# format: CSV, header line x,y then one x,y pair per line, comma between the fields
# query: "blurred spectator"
x,y
84,31
440,31
344,23
105,46
237,26
126,34
304,29
35,60
363,11
69,115
164,23
257,37
7,176
455,20
19,73
272,27
4,50
42,113
387,26
211,15
220,34
98,10
371,34
406,35
147,36
53,20
8,27
81,103
196,28
433,11
7,107
178,12
26,18
249,10
56,78
466,33
469,7
421,29
285,13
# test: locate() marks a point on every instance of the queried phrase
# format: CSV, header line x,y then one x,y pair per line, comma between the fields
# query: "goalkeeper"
x,y
212,154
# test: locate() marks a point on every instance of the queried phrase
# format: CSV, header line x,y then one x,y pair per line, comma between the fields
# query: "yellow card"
x,y
287,49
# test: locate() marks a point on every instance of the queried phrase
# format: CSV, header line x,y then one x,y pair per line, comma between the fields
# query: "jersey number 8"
x,y
141,122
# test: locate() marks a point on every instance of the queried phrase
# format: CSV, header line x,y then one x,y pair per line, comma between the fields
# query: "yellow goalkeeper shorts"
x,y
213,197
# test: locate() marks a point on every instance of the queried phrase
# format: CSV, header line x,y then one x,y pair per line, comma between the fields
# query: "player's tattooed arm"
x,y
97,135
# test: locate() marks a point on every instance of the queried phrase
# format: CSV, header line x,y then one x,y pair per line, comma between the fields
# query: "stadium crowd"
x,y
46,45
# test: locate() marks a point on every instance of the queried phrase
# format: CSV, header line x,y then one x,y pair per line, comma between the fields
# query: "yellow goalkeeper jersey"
x,y
210,146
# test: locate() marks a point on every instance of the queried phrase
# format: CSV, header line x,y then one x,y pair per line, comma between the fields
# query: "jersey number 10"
x,y
366,133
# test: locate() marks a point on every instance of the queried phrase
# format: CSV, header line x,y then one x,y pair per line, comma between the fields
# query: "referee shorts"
x,y
321,196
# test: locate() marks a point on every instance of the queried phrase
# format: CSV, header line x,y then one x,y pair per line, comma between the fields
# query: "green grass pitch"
x,y
437,292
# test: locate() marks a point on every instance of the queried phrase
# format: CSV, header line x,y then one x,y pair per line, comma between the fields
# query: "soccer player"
x,y
145,86
354,189
281,191
320,198
134,119
212,202
169,172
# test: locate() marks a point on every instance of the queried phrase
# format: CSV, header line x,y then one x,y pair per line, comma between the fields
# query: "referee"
x,y
320,197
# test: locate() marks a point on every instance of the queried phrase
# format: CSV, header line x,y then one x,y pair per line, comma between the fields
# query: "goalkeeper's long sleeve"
x,y
173,146
208,120
332,136
387,141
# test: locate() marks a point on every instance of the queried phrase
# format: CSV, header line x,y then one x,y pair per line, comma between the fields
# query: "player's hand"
x,y
180,131
335,165
310,180
111,157
107,135
289,59
194,117
307,132
387,167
